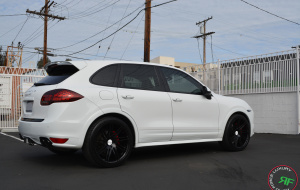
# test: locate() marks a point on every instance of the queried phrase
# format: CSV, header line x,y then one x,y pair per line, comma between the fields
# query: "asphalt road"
x,y
185,167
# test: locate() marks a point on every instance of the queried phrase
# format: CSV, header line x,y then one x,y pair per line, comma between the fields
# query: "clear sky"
x,y
240,29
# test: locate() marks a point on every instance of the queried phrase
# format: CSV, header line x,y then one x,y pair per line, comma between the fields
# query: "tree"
x,y
68,59
40,63
2,57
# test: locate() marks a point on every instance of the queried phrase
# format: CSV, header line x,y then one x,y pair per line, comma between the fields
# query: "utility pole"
x,y
203,35
147,31
13,55
44,12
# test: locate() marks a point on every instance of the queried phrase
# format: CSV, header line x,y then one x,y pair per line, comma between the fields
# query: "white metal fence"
x,y
13,84
276,72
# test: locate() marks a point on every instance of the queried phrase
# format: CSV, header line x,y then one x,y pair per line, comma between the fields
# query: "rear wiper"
x,y
40,84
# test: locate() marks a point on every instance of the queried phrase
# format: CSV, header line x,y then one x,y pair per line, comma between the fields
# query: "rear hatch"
x,y
57,73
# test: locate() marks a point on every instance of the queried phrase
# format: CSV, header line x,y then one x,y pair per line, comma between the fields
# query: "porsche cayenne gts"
x,y
107,108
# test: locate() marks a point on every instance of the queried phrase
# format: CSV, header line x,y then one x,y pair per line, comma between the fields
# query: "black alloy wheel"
x,y
108,142
237,133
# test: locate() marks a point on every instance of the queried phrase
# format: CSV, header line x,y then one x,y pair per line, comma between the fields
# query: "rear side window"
x,y
105,76
57,74
142,77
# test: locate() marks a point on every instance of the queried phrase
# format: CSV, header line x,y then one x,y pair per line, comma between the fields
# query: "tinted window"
x,y
181,82
105,76
57,74
141,77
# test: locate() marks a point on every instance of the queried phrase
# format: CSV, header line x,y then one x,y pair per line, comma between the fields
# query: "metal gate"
x,y
14,82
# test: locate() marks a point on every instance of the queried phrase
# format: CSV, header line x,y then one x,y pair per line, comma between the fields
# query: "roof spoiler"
x,y
78,64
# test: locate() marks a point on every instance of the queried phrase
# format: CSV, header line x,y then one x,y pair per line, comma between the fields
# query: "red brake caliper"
x,y
117,137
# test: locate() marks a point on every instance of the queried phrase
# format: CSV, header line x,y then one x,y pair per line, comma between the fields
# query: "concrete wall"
x,y
273,112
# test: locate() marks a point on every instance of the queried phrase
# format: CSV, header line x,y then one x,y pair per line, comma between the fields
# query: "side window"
x,y
105,76
141,77
180,82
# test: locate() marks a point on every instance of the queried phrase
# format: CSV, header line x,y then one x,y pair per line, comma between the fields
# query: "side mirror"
x,y
207,94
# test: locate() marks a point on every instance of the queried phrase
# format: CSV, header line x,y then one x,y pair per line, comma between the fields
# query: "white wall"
x,y
273,112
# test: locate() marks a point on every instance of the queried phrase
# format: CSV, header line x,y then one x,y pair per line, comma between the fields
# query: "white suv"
x,y
106,108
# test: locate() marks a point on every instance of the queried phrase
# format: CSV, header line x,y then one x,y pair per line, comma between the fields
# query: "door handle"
x,y
127,97
177,100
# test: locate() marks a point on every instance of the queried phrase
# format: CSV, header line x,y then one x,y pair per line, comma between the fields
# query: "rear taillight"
x,y
58,140
59,95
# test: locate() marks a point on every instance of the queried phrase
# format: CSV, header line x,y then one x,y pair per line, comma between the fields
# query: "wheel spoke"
x,y
235,140
119,130
123,138
116,153
241,126
108,153
102,149
122,148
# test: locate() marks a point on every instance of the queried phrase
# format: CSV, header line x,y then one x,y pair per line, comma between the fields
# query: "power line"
x,y
116,33
244,28
38,34
199,50
14,15
110,34
11,29
91,13
228,50
103,29
270,13
132,37
106,26
38,30
21,28
212,53
121,27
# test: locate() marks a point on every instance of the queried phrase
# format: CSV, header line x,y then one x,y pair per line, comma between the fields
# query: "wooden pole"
x,y
147,31
45,33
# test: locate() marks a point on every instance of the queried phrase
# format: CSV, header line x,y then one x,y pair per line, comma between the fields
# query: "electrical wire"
x,y
229,50
29,57
121,27
11,29
199,50
14,15
103,29
40,33
270,13
222,21
21,28
131,38
91,13
212,53
106,27
118,27
38,30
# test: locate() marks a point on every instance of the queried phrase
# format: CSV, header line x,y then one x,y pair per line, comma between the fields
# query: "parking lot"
x,y
190,166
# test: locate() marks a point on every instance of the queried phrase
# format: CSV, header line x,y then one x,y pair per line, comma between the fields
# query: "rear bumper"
x,y
64,120
37,131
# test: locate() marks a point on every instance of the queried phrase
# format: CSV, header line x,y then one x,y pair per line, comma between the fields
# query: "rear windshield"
x,y
57,74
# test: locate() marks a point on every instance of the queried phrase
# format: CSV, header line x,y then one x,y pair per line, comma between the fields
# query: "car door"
x,y
141,96
194,116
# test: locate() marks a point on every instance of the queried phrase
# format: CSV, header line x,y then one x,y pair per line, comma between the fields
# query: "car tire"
x,y
237,133
62,151
108,142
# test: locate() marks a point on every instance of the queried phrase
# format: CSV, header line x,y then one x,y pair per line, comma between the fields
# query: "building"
x,y
189,67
